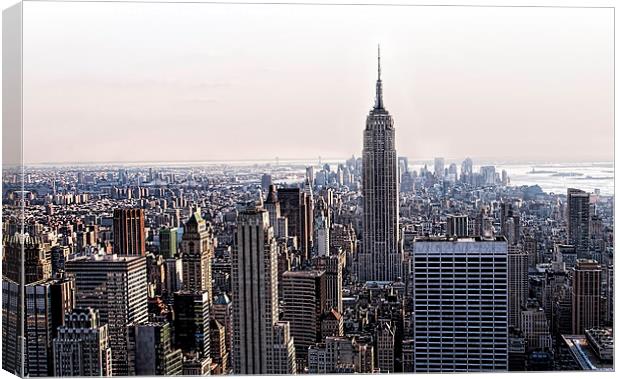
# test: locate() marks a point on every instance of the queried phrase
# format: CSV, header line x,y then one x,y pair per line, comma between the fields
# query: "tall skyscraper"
x,y
310,174
191,323
197,248
510,222
304,303
47,302
385,346
26,260
403,165
439,168
272,205
321,233
31,264
129,234
467,170
535,327
578,221
381,257
284,361
518,285
460,304
116,287
488,175
13,339
255,295
333,265
151,352
266,182
586,295
223,313
82,346
168,242
219,354
38,332
295,206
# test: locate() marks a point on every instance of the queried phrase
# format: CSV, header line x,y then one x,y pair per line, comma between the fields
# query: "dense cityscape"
x,y
368,265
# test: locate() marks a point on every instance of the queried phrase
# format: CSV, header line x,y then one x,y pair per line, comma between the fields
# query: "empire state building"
x,y
381,256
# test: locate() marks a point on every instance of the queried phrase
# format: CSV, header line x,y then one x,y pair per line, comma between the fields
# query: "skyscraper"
x,y
535,327
82,348
283,349
31,264
24,261
304,303
578,221
129,234
272,205
385,346
518,284
321,233
586,295
13,339
151,352
116,287
333,265
510,220
295,206
219,354
197,247
255,296
467,170
223,313
47,302
460,304
168,242
191,324
265,182
439,169
381,257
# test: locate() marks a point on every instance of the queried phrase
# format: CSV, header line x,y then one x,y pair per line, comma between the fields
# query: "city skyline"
x,y
543,72
373,263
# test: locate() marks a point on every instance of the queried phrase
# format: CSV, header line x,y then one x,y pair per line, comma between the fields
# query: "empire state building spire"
x,y
379,94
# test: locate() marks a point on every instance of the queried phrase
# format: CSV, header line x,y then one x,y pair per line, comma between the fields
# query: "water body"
x,y
557,178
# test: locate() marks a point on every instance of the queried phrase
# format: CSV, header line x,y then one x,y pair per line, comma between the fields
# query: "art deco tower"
x,y
381,257
261,343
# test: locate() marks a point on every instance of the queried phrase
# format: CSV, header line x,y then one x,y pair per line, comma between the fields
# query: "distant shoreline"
x,y
302,161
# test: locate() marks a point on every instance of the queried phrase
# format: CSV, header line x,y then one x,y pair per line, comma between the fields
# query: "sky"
x,y
127,82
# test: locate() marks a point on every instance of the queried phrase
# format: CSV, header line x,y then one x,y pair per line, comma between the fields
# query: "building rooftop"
x,y
460,239
303,274
584,354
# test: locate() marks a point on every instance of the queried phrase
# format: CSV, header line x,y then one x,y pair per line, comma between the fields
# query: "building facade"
x,y
82,346
116,287
129,233
460,304
586,296
578,221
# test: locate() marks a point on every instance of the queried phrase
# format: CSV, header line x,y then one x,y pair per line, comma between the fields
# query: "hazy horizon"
x,y
215,82
288,160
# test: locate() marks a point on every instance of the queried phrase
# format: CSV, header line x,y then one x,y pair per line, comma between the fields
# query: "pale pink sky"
x,y
164,82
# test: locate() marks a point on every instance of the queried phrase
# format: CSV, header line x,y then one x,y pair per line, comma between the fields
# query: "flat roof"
x,y
303,273
459,239
583,353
